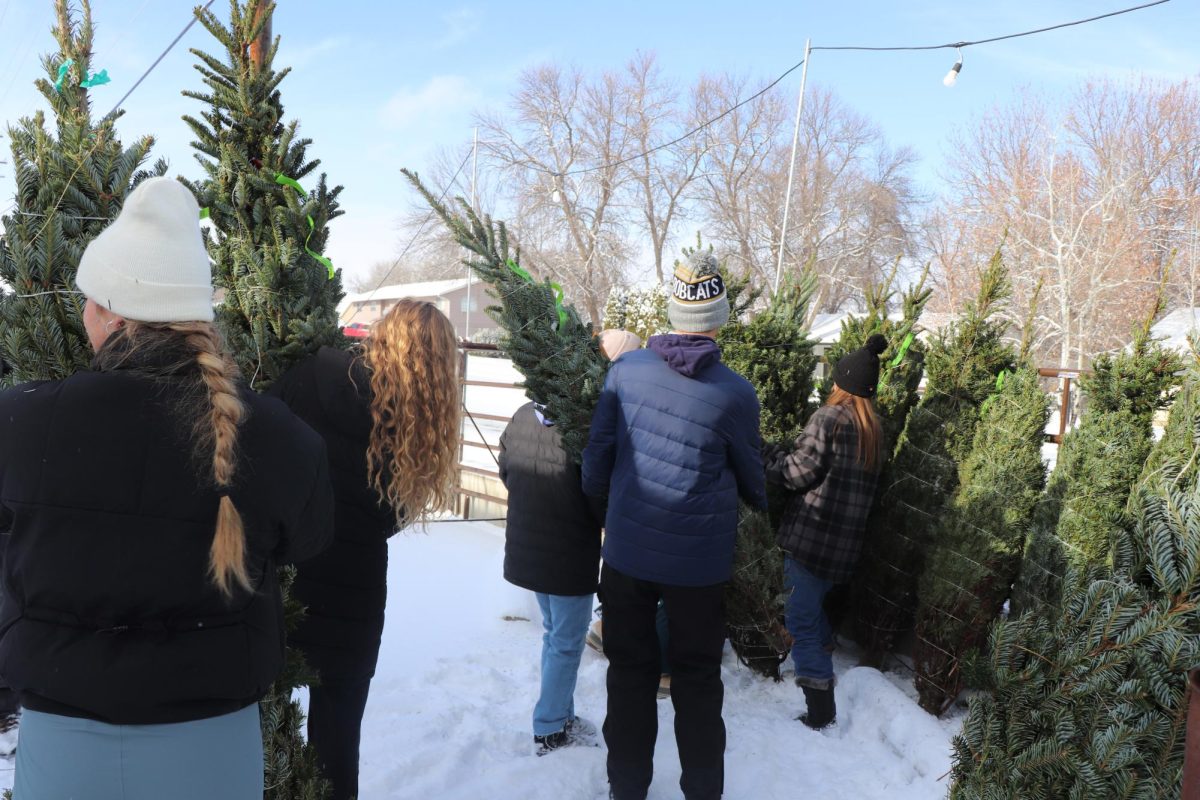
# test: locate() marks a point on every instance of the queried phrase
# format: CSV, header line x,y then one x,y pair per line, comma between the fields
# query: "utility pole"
x,y
787,199
475,208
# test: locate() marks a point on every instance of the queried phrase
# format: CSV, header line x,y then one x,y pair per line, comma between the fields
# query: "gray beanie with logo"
x,y
698,301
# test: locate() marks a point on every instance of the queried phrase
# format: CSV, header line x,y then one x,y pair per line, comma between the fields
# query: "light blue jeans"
x,y
65,758
804,613
565,623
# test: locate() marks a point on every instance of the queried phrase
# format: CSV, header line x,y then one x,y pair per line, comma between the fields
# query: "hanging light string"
x,y
959,45
948,46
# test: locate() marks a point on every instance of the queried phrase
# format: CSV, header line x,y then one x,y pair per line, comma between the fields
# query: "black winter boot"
x,y
822,712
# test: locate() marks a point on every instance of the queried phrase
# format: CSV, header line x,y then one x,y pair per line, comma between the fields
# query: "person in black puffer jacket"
x,y
552,548
146,504
389,413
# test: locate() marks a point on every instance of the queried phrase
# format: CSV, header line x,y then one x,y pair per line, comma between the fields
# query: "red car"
x,y
357,330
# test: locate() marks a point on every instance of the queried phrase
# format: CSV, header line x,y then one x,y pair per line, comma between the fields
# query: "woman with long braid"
x,y
146,504
390,416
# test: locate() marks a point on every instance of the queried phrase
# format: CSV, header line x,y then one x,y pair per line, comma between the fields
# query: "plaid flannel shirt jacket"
x,y
826,518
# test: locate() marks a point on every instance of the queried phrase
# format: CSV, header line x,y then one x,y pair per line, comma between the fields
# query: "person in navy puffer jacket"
x,y
674,442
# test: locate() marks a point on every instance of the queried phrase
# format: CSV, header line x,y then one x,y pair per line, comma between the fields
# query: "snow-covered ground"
x,y
449,713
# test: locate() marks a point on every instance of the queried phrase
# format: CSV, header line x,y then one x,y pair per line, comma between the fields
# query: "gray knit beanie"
x,y
698,301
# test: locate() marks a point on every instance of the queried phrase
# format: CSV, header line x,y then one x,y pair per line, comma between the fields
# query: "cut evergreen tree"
x,y
975,553
556,352
71,178
773,351
639,311
281,294
1091,702
1099,463
903,363
961,367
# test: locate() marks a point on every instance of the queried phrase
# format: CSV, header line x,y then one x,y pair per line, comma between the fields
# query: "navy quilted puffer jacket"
x,y
674,442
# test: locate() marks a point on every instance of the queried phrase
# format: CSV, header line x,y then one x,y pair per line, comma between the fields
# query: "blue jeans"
x,y
565,620
808,625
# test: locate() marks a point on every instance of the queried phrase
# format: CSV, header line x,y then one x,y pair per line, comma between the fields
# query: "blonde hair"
x,y
412,458
866,421
215,430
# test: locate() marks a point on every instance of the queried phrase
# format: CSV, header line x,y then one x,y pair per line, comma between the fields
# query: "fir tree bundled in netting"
x,y
1099,463
72,177
902,364
1091,702
545,338
961,366
773,351
975,552
281,294
639,311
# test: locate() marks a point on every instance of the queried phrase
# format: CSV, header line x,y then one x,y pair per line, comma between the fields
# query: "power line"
x,y
162,55
958,45
413,240
794,67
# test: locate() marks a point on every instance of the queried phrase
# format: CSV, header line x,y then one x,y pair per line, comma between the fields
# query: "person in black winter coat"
x,y
389,414
832,470
552,548
146,504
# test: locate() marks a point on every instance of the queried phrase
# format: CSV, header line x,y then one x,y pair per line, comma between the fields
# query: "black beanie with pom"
x,y
858,372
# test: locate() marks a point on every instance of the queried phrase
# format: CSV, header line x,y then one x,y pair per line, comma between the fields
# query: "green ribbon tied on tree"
x,y
999,386
524,275
98,79
284,180
63,69
903,351
899,358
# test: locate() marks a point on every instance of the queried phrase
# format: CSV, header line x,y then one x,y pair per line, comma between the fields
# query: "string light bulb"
x,y
952,76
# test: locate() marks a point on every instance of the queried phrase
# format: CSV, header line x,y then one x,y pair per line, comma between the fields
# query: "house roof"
x,y
398,290
1174,328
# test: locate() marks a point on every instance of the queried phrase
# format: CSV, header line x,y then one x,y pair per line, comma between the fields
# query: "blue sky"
x,y
381,85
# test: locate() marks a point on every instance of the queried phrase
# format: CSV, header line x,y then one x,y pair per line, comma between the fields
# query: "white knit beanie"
x,y
150,264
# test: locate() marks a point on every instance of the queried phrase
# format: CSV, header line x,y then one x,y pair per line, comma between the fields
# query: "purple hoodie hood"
x,y
687,355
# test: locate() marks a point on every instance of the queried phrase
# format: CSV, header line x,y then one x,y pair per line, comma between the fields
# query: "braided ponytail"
x,y
158,347
227,557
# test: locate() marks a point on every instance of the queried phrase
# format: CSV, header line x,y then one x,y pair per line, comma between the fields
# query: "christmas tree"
x,y
545,338
772,350
1091,702
975,551
280,293
71,181
902,363
1099,462
639,311
961,367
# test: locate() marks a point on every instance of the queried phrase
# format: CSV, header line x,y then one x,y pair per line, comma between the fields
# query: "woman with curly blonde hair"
x,y
390,416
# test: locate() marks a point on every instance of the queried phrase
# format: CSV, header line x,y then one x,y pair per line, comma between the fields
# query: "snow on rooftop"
x,y
1174,328
399,290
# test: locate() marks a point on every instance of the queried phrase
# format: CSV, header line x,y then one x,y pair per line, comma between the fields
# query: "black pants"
x,y
696,620
335,712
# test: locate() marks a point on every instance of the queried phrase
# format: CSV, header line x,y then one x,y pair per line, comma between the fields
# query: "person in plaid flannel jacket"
x,y
832,471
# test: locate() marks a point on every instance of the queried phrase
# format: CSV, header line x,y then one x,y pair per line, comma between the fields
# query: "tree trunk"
x,y
261,45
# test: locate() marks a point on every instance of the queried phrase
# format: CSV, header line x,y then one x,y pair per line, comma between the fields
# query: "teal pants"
x,y
64,758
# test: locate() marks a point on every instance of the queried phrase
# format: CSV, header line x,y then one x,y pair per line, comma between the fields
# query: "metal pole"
x,y
787,200
475,208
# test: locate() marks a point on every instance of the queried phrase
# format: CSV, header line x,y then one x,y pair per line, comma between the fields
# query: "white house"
x,y
463,303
